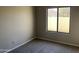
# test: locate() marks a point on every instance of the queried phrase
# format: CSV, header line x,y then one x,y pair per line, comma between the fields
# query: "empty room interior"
x,y
39,29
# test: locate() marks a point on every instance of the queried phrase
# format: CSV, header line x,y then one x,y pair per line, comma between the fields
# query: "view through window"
x,y
59,19
52,19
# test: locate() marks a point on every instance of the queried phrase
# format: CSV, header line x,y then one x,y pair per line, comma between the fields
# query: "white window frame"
x,y
57,20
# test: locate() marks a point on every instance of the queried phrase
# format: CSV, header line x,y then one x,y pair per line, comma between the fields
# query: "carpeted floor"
x,y
43,46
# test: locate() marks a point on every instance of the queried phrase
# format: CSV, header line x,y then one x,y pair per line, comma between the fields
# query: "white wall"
x,y
16,26
72,38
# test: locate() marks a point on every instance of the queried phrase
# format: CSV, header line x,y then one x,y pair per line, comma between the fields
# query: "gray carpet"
x,y
43,46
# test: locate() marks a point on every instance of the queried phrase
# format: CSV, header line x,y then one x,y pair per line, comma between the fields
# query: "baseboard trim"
x,y
18,45
43,38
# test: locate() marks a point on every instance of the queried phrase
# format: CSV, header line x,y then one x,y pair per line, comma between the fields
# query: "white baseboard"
x,y
18,46
58,41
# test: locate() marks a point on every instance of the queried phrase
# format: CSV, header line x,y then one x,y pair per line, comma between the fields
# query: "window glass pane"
x,y
52,19
64,20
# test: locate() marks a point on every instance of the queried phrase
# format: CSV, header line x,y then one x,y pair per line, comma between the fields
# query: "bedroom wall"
x,y
72,38
16,26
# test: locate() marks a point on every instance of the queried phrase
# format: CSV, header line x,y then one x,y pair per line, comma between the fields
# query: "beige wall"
x,y
71,38
16,26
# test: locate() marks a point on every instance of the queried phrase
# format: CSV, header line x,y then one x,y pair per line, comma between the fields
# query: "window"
x,y
59,19
52,19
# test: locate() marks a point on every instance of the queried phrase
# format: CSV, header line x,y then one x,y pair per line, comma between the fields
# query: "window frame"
x,y
47,21
57,20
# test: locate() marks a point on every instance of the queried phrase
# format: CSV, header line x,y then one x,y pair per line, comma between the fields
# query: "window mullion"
x,y
57,17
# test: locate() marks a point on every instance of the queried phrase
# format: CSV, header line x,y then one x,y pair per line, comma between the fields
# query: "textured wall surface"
x,y
71,38
16,26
